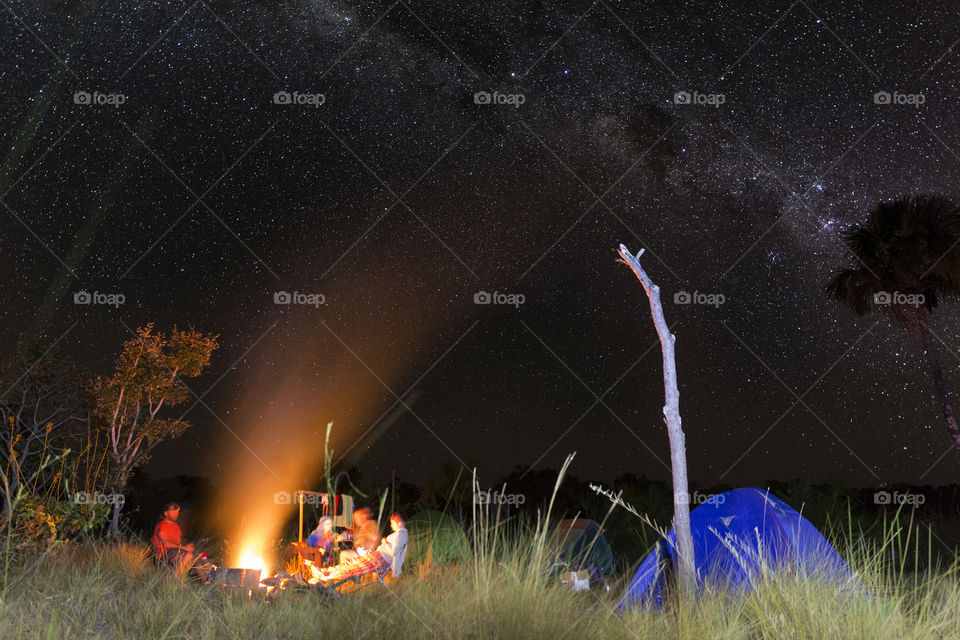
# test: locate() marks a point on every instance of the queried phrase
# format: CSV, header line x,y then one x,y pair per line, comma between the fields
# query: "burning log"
x,y
235,578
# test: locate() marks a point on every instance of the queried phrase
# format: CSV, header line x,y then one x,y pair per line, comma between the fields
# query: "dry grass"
x,y
111,591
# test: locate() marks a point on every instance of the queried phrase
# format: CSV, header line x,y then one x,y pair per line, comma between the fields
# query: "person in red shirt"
x,y
168,542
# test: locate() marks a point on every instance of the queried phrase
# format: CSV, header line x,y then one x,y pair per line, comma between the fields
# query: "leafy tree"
x,y
148,377
908,254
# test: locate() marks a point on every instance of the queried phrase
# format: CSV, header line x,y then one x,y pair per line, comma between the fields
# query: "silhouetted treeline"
x,y
832,508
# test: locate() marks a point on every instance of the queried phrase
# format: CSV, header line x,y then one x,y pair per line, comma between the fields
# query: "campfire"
x,y
250,558
248,571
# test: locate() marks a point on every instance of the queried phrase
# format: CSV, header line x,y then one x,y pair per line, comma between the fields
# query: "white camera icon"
x,y
282,297
482,97
882,297
882,497
482,297
682,97
282,97
282,497
682,297
82,97
882,97
82,297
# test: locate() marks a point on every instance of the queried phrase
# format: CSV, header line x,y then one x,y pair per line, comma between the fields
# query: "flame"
x,y
253,559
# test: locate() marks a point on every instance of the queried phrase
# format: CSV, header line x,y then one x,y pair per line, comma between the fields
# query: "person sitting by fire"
x,y
388,555
168,544
319,544
365,535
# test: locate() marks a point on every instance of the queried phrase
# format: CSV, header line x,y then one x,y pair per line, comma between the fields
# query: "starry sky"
x,y
150,149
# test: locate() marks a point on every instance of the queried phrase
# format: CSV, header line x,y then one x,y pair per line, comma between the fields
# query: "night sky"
x,y
400,197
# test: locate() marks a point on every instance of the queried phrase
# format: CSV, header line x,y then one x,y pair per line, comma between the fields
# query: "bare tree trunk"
x,y
943,398
114,531
671,412
123,479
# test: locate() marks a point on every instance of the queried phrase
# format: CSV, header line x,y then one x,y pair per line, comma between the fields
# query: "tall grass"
x,y
113,591
504,591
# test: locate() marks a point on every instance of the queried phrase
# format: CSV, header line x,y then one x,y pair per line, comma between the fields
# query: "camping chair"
x,y
393,569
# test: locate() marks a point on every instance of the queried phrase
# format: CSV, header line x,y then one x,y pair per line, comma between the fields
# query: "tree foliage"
x,y
148,378
909,246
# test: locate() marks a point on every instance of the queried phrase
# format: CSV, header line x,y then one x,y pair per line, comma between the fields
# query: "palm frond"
x,y
854,289
910,245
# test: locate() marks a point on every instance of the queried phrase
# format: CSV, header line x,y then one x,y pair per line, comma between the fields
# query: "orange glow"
x,y
251,558
298,380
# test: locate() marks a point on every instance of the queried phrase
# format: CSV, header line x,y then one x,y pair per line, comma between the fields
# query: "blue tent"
x,y
736,535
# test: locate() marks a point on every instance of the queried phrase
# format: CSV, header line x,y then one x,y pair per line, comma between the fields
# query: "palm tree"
x,y
908,254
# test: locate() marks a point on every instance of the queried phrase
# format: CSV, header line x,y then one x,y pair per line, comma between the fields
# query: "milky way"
x,y
398,158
